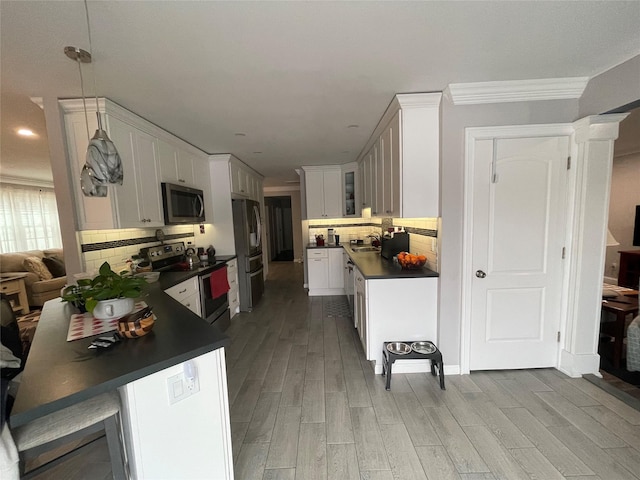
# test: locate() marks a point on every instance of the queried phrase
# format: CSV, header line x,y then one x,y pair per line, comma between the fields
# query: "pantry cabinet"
x,y
325,270
323,187
404,154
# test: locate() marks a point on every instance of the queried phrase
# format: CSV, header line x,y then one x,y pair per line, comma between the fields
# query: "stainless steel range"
x,y
211,274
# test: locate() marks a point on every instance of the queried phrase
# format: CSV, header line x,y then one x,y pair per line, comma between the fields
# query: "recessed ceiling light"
x,y
345,151
240,134
257,152
353,125
25,132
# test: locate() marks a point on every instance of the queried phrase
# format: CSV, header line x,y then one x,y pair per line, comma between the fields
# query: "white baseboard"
x,y
610,280
577,365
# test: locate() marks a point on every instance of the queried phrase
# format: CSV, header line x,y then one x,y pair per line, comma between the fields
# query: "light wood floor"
x,y
306,405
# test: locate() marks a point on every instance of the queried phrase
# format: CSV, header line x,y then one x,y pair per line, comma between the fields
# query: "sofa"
x,y
39,285
633,345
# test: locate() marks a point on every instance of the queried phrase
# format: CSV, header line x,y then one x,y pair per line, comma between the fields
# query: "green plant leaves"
x,y
106,286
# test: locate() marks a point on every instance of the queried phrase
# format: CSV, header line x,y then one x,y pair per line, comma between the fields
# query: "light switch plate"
x,y
178,388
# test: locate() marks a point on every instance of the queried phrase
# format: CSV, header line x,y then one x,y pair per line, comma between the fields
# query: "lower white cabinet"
x,y
188,294
396,309
190,439
360,300
234,291
325,270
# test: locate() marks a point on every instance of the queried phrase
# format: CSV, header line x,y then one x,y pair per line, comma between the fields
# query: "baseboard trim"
x,y
577,365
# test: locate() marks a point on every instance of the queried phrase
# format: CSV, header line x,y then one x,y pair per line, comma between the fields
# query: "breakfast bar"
x,y
59,374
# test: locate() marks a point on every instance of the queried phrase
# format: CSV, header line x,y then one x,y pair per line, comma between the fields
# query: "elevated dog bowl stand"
x,y
388,358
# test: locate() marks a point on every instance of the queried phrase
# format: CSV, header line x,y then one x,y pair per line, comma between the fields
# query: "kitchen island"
x,y
187,438
392,304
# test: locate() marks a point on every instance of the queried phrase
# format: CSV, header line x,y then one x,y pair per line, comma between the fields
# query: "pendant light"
x,y
103,164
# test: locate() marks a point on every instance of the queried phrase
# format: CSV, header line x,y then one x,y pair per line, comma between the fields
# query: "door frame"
x,y
487,133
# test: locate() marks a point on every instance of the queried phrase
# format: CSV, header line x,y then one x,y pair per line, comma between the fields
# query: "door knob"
x,y
480,274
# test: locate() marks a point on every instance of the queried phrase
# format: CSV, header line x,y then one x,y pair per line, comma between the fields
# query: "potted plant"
x,y
114,292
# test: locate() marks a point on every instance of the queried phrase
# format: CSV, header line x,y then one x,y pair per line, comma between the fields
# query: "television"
x,y
636,228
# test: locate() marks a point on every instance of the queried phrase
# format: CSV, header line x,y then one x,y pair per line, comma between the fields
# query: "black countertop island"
x,y
60,373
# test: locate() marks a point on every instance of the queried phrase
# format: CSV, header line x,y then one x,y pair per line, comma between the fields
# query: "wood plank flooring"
x,y
305,405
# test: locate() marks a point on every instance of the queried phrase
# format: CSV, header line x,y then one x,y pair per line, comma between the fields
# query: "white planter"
x,y
115,308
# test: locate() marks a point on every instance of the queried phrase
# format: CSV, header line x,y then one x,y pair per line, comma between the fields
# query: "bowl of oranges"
x,y
410,261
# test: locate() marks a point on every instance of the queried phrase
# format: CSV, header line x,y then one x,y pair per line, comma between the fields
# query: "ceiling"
x,y
291,76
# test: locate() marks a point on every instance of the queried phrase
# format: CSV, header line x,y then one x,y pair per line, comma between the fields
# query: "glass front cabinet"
x,y
350,204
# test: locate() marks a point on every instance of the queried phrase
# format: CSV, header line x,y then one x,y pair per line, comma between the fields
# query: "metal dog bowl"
x,y
423,347
399,348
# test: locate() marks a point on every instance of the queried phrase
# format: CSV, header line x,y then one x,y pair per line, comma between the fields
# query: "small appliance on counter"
x,y
393,246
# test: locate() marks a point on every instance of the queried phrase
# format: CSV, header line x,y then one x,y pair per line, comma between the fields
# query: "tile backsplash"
x,y
118,246
423,233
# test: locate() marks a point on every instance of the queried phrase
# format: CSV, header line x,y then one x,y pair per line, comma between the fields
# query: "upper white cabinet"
x,y
138,201
401,167
149,155
176,165
244,181
350,190
323,186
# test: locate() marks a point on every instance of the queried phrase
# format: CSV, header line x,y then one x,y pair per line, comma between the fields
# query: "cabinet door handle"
x,y
181,180
182,291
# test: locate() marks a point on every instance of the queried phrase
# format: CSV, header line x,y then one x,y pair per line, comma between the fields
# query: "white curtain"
x,y
28,219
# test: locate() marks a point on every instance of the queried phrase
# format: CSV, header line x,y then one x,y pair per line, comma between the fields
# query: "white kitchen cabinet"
x,y
360,311
325,271
406,155
396,309
234,291
350,190
138,201
150,156
368,178
199,424
176,165
323,186
188,294
244,181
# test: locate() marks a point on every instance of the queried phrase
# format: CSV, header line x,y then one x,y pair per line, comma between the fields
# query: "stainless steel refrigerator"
x,y
247,229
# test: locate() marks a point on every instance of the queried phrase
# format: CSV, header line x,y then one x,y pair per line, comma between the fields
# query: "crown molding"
x,y
24,181
516,90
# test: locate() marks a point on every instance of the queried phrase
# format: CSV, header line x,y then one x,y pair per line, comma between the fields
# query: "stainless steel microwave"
x,y
182,204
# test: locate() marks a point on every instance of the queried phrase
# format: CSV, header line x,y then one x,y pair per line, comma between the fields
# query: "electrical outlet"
x,y
614,267
179,388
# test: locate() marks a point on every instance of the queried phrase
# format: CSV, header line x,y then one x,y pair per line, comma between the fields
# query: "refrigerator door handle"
x,y
256,211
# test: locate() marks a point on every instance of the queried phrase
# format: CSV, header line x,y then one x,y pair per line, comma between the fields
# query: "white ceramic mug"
x,y
115,308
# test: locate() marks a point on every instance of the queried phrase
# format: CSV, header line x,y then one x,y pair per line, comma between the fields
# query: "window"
x,y
28,219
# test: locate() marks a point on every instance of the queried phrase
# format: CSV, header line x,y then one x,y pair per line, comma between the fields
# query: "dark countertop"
x,y
60,373
373,266
333,245
169,278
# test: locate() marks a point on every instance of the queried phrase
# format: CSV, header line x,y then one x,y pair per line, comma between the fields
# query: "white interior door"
x,y
516,265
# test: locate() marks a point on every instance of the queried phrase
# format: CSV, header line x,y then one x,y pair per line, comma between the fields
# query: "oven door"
x,y
212,308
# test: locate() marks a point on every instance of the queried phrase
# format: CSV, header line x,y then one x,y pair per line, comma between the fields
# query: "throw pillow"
x,y
55,266
35,265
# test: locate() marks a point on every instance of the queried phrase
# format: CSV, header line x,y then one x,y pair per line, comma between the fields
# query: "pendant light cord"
x,y
93,68
84,100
